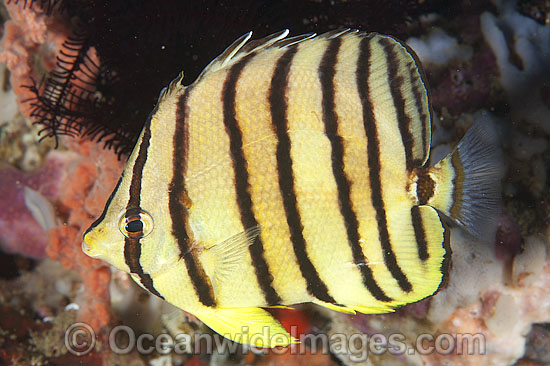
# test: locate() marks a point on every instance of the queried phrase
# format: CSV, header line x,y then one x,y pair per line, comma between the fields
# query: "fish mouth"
x,y
87,249
90,247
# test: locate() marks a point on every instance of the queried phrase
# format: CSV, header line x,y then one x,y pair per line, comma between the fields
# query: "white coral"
x,y
514,36
439,48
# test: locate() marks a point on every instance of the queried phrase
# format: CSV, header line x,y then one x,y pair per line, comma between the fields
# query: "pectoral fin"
x,y
252,326
225,258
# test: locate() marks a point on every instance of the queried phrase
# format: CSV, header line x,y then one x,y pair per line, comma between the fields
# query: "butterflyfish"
x,y
295,170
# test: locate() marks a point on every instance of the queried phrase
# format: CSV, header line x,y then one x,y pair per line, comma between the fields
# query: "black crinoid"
x,y
122,53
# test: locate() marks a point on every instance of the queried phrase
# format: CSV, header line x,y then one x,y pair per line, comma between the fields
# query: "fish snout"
x,y
90,245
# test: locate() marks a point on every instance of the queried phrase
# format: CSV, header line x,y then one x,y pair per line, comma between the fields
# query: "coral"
x,y
20,232
289,358
538,347
110,97
488,67
67,191
35,315
439,48
296,321
522,50
29,33
91,178
18,137
8,104
66,194
461,80
77,183
481,302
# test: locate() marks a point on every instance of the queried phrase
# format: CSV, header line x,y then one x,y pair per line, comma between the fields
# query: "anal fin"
x,y
339,308
252,326
280,307
372,310
354,309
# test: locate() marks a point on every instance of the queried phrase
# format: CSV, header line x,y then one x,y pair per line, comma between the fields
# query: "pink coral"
x,y
29,33
19,230
87,177
78,182
89,182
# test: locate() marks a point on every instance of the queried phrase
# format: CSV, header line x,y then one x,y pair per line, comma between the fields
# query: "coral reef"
x,y
497,290
77,186
91,178
488,63
76,181
21,229
522,57
30,33
18,136
495,303
439,48
462,72
110,100
35,313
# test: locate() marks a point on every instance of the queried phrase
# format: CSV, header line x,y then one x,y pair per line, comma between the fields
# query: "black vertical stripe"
x,y
132,247
458,185
102,216
278,104
418,78
396,82
425,186
418,104
178,211
419,233
132,253
137,172
242,185
327,73
445,264
373,152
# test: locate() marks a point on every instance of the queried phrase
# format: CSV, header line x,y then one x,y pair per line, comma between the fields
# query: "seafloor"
x,y
75,72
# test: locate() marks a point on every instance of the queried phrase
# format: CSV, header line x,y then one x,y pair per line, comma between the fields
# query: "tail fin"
x,y
467,182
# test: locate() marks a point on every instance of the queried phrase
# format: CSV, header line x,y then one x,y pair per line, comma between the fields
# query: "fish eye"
x,y
136,224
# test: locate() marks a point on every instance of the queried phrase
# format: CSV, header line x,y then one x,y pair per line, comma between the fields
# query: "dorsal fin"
x,y
237,50
241,48
338,33
226,56
174,84
293,40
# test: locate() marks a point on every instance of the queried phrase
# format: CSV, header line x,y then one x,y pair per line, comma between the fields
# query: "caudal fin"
x,y
468,182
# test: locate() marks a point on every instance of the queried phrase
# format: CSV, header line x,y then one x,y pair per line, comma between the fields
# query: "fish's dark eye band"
x,y
136,225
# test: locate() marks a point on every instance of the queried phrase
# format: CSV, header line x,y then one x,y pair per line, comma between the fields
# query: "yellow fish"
x,y
294,170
